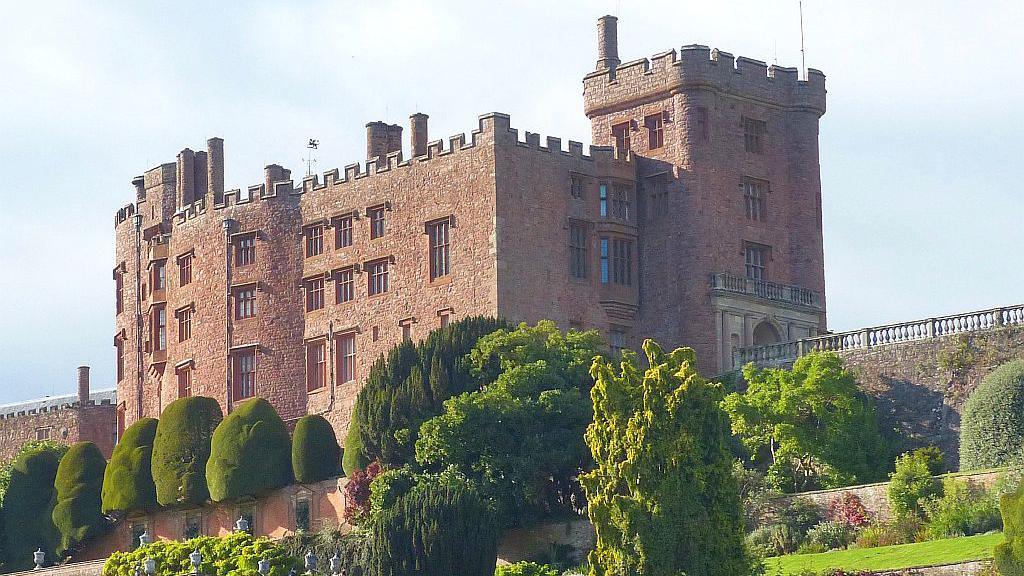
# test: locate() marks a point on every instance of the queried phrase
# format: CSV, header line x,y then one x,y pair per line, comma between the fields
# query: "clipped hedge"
x,y
233,555
316,455
78,487
128,482
181,450
992,425
354,456
28,508
1009,555
250,453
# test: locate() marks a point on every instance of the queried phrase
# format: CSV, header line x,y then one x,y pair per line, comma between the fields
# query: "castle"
x,y
694,219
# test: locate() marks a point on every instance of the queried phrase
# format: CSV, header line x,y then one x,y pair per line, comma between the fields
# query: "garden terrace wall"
x,y
575,537
274,516
875,497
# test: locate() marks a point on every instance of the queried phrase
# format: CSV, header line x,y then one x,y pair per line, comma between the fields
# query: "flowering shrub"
x,y
357,492
233,555
848,509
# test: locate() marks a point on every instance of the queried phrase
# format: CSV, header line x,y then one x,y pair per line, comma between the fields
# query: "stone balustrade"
x,y
786,352
764,289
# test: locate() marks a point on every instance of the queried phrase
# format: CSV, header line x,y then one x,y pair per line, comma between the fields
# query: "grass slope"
x,y
931,553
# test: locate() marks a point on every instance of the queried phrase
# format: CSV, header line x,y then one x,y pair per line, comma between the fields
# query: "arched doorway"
x,y
765,333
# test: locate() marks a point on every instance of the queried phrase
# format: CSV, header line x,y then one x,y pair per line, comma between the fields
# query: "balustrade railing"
x,y
765,289
781,353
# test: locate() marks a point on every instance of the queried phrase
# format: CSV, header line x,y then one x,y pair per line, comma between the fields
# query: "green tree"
x,y
128,481
250,453
992,425
407,387
78,486
316,455
1009,555
181,449
662,497
236,554
809,426
436,529
28,507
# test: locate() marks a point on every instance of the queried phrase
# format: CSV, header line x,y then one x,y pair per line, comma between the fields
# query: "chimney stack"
x,y
186,178
607,42
215,169
275,173
418,134
376,140
83,385
394,138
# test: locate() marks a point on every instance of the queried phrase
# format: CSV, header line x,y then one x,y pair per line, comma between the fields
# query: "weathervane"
x,y
313,144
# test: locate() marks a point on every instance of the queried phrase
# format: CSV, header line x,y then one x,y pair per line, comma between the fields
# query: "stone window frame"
x,y
376,215
755,134
702,122
184,374
406,325
243,244
119,342
321,364
314,289
244,307
301,495
439,267
444,316
344,225
617,339
237,354
655,126
621,135
373,287
185,268
617,259
345,283
119,272
577,185
250,509
579,249
193,512
313,238
346,358
158,327
755,193
44,432
756,258
184,316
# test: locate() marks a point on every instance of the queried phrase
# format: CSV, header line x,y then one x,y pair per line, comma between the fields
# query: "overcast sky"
x,y
920,149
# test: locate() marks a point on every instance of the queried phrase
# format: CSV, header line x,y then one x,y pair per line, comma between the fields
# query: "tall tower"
x,y
728,192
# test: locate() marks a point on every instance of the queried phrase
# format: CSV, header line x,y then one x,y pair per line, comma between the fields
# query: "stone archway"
x,y
766,333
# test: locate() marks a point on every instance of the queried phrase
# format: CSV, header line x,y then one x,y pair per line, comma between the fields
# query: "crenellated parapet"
x,y
698,67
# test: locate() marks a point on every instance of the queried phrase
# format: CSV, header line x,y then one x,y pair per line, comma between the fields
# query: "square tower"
x,y
728,191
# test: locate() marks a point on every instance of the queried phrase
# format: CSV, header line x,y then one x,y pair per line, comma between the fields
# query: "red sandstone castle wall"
x,y
68,424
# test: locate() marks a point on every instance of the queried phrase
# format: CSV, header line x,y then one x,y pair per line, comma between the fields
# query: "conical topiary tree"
x,y
991,428
181,449
78,486
1009,555
128,482
250,454
28,508
316,455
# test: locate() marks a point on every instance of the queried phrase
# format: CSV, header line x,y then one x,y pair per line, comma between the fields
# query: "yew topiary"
x,y
992,425
181,449
128,482
316,455
78,487
250,454
28,508
1009,555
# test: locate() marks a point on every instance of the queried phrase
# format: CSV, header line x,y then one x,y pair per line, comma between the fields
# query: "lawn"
x,y
932,553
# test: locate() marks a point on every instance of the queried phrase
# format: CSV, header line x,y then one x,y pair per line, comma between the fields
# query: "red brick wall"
x,y
67,424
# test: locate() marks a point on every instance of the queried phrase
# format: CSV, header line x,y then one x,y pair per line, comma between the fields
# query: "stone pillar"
x,y
215,169
607,42
418,134
83,385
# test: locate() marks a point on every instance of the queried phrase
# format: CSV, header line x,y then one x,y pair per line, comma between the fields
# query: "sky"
x,y
921,146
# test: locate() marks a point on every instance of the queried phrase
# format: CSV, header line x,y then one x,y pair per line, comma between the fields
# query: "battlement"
x,y
698,67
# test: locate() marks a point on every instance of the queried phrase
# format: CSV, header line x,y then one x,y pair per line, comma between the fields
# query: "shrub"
x,y
437,529
78,488
1009,555
912,483
387,487
963,509
407,387
128,480
849,510
659,439
991,428
899,530
326,542
32,446
181,450
526,569
830,535
250,453
800,515
756,495
233,555
28,507
773,540
810,426
316,455
357,493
